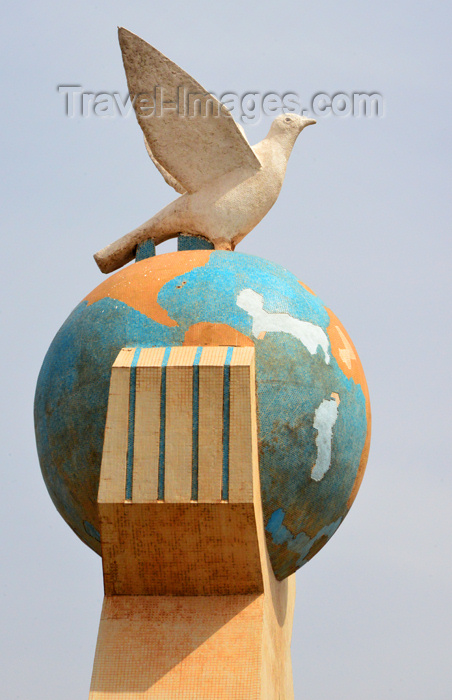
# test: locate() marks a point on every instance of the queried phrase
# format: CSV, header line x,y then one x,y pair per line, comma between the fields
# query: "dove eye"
x,y
287,119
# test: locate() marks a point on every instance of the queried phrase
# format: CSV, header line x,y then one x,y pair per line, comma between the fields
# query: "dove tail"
x,y
163,226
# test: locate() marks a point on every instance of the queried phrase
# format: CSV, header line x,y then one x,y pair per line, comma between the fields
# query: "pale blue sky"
x,y
363,218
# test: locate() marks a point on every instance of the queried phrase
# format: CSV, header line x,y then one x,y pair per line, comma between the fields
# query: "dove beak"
x,y
309,121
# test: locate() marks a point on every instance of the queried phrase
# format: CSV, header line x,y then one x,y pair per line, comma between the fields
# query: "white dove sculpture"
x,y
226,185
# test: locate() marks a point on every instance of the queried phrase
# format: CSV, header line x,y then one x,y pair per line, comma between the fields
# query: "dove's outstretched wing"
x,y
169,179
189,134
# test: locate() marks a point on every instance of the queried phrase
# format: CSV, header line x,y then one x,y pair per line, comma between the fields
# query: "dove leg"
x,y
192,609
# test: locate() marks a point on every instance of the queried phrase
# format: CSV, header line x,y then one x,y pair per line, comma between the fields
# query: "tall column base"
x,y
193,647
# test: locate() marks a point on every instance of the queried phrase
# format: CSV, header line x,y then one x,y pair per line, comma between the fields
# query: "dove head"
x,y
287,127
290,124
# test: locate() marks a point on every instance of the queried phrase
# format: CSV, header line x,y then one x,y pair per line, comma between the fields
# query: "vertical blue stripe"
x,y
161,479
195,439
226,422
131,435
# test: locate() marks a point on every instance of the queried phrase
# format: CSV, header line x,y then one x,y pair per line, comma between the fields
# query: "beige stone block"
x,y
147,425
112,484
210,452
179,425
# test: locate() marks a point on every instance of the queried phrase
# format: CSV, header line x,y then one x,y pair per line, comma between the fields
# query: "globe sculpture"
x,y
313,405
